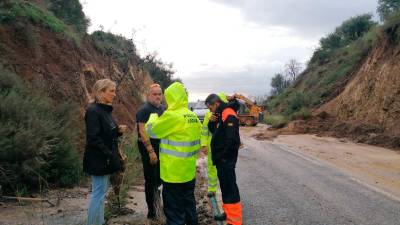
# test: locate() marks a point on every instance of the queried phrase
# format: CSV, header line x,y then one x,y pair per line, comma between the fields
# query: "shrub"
x,y
38,138
303,114
295,102
117,47
276,121
391,27
71,12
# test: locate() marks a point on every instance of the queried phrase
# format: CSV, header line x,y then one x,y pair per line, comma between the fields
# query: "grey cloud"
x,y
250,80
306,17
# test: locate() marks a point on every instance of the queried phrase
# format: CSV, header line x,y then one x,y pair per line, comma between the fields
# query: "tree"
x,y
278,83
356,27
387,7
292,70
350,31
161,72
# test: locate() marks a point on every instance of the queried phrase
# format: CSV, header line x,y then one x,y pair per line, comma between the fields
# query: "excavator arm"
x,y
248,102
253,117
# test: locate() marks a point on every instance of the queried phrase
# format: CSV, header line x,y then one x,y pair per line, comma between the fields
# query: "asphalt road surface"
x,y
279,186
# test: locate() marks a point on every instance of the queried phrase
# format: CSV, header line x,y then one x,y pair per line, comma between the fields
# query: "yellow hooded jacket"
x,y
180,131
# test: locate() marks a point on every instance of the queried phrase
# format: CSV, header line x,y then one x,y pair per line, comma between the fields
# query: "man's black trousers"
x,y
180,203
227,181
151,180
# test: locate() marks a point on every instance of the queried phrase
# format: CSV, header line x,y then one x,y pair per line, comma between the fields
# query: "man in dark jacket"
x,y
225,143
149,149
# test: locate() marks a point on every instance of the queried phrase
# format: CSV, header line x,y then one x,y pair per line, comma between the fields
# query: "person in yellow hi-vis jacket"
x,y
180,132
212,178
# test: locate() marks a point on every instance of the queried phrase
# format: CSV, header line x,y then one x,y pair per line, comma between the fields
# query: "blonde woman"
x,y
101,156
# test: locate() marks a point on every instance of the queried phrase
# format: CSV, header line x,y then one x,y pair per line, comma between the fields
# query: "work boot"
x,y
220,217
210,194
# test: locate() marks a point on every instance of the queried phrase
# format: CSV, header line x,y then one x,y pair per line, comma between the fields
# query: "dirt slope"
x,y
373,95
67,71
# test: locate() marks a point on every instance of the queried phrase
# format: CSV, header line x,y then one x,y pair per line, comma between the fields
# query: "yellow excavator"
x,y
250,114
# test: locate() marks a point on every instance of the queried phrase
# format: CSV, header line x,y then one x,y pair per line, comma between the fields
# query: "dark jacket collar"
x,y
233,104
151,105
107,108
221,107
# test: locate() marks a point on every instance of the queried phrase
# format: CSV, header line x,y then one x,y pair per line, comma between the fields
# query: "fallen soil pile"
x,y
325,125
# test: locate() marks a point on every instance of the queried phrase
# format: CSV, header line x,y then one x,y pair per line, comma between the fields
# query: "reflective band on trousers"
x,y
179,154
212,185
212,179
180,143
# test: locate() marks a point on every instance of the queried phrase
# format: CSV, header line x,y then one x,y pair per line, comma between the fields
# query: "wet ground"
x,y
70,206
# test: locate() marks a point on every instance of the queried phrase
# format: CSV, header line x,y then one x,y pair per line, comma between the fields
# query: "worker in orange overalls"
x,y
225,143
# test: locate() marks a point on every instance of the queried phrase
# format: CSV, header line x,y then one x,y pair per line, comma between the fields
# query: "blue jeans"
x,y
96,207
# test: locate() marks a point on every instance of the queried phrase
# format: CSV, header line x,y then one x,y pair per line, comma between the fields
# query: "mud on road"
x,y
376,166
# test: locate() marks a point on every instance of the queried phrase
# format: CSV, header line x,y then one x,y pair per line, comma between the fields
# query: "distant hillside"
x,y
356,81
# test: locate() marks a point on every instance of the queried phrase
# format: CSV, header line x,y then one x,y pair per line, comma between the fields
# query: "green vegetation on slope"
x,y
120,49
18,11
70,11
39,138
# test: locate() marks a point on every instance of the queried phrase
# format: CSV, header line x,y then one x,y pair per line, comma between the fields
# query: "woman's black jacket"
x,y
101,155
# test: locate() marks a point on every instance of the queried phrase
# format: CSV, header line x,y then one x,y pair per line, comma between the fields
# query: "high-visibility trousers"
x,y
212,178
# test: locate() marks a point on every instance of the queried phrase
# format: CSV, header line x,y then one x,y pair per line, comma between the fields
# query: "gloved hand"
x,y
153,158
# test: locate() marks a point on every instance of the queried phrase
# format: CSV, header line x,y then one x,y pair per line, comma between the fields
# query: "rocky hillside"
x,y
64,63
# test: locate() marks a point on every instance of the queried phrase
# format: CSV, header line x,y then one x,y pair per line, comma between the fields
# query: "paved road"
x,y
280,187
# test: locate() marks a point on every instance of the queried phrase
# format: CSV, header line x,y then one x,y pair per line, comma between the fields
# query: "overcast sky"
x,y
225,45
